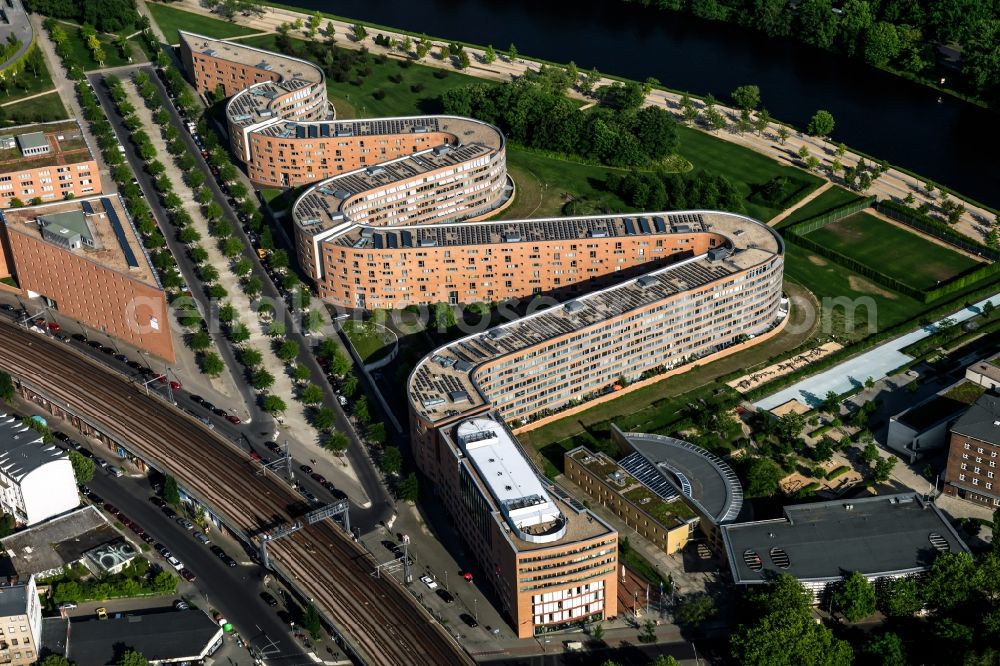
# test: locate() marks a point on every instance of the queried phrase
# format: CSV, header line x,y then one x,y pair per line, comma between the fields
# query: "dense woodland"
x,y
105,15
901,34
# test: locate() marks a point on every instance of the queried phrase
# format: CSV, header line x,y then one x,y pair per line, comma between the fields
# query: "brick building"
x,y
974,452
85,259
48,162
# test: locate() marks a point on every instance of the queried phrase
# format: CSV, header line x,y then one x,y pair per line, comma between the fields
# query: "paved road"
x,y
874,363
381,507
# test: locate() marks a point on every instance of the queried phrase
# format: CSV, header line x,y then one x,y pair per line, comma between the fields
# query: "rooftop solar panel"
x,y
116,225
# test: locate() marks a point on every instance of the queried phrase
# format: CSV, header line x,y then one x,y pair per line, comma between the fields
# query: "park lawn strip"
x,y
833,198
35,110
112,56
746,169
896,252
368,345
171,20
32,84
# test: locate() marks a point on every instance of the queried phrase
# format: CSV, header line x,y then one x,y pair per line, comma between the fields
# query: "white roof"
x,y
510,478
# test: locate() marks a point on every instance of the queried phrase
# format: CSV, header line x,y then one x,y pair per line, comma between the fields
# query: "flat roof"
x,y
930,412
66,142
22,450
58,541
510,479
982,420
32,140
449,370
703,478
168,635
67,224
876,536
13,599
117,242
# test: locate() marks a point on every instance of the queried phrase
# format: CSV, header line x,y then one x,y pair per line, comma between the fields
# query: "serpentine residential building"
x,y
395,217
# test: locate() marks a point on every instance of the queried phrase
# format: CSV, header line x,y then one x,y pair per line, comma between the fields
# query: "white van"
x,y
115,471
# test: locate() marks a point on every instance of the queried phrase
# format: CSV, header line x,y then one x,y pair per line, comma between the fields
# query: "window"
x,y
961,477
964,466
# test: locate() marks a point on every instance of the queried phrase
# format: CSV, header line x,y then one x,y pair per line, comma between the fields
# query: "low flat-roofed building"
x,y
36,479
974,452
87,260
923,428
985,373
667,523
112,556
163,636
46,161
880,537
46,549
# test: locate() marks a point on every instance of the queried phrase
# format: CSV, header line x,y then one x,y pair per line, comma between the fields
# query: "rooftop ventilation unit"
x,y
374,170
344,132
496,333
646,281
598,233
265,65
573,306
458,396
367,232
341,194
511,237
419,129
718,253
441,150
427,242
617,477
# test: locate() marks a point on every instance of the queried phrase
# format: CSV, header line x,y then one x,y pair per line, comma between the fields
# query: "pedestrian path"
x,y
805,201
875,363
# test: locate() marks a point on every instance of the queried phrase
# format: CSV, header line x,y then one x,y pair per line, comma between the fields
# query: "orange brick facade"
x,y
50,183
972,470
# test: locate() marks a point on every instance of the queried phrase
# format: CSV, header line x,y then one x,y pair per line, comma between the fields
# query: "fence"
x,y
840,212
930,226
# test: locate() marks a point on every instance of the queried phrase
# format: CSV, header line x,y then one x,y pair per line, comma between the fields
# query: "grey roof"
x,y
167,635
67,224
57,542
982,421
705,479
876,536
32,140
22,450
13,600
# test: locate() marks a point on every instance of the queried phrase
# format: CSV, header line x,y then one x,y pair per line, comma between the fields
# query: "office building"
x,y
20,623
47,162
973,448
85,260
36,479
880,537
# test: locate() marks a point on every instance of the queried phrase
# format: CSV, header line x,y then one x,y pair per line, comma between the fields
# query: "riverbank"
x,y
895,184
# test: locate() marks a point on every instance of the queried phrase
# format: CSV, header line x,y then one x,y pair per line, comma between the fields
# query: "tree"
x,y
362,411
900,597
350,386
883,469
338,442
597,632
239,333
324,418
311,621
949,582
763,477
56,660
409,489
855,597
276,329
489,54
886,649
261,379
273,404
821,124
392,460
746,97
7,390
132,658
375,433
648,633
882,43
512,53
312,395
288,350
817,24
870,453
252,287
463,60
695,609
83,468
200,341
300,373
211,364
783,134
804,152
171,493
788,637
445,52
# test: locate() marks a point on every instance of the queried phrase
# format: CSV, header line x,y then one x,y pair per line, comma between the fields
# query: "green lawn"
x,y
171,20
37,110
366,341
827,201
827,280
27,83
113,56
745,168
899,253
409,89
545,184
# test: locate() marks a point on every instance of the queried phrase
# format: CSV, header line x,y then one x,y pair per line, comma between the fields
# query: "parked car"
x,y
188,576
201,538
235,420
69,605
185,523
168,512
157,501
469,620
162,550
446,596
174,562
269,599
429,582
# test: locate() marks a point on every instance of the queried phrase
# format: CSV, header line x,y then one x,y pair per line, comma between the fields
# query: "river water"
x,y
950,141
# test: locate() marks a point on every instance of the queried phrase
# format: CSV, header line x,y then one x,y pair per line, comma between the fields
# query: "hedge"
x,y
960,282
837,471
819,221
924,222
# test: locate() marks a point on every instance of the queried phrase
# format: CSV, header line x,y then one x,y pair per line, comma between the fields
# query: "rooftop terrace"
x,y
442,387
117,245
66,146
891,534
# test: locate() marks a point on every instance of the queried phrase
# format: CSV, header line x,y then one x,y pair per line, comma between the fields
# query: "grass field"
x,y
113,57
36,110
543,183
745,168
366,341
171,20
26,84
897,252
832,198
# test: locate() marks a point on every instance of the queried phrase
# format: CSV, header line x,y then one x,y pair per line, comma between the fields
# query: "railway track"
x,y
379,620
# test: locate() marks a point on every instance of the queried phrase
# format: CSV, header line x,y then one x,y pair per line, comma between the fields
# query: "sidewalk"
x,y
893,184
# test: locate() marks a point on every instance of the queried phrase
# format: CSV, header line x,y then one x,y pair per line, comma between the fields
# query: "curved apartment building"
x,y
282,127
723,286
